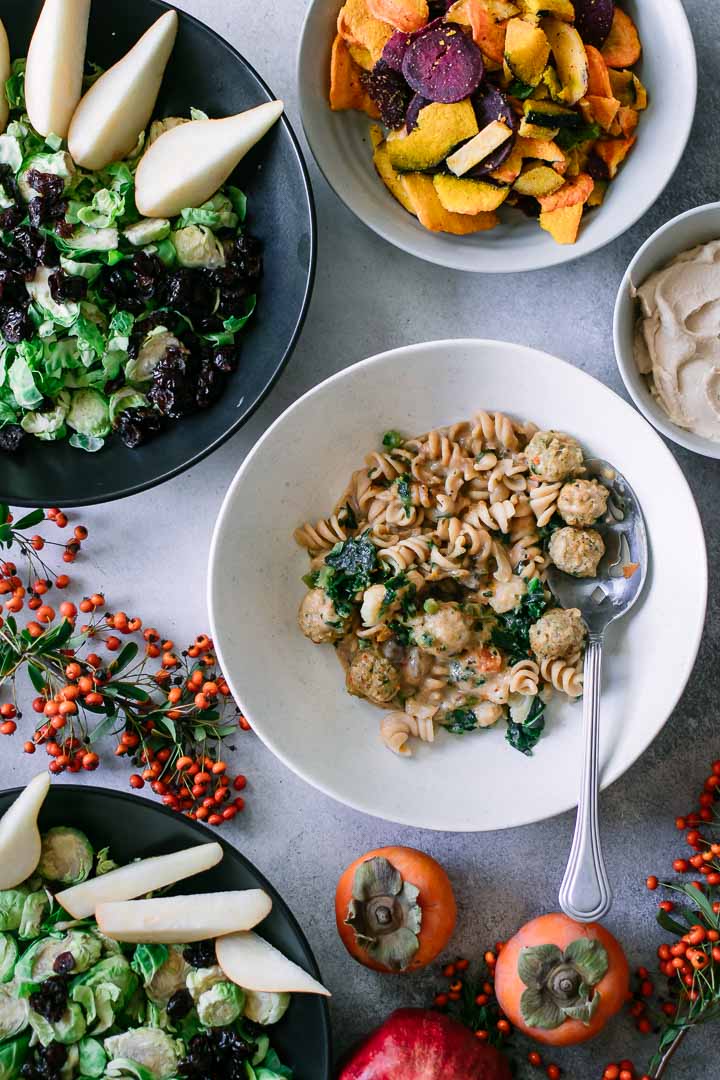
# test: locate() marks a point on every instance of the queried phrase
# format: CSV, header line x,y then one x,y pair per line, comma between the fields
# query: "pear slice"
x,y
4,76
55,61
187,164
138,878
107,122
19,833
254,964
173,920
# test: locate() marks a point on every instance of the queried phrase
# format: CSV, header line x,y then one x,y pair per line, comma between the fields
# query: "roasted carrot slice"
x,y
622,48
346,90
405,15
573,193
613,152
488,32
598,73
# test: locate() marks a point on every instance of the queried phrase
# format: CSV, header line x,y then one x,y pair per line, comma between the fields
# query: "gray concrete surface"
x,y
149,554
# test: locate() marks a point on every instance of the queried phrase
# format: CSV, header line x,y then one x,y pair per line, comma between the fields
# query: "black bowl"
x,y
136,828
206,72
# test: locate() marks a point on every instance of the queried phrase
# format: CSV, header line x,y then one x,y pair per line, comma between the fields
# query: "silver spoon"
x,y
585,894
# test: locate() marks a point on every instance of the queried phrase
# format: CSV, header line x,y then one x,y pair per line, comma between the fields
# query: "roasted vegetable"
x,y
527,51
622,48
468,196
420,191
439,129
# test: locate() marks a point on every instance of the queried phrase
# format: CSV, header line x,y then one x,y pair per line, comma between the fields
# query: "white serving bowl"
x,y
293,692
340,143
688,230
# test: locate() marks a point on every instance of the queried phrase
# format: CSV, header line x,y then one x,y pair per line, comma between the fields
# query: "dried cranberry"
x,y
11,436
64,229
45,183
200,954
12,288
210,385
51,998
64,963
67,287
225,358
10,218
247,257
43,209
180,1004
137,426
35,247
174,384
15,324
218,1052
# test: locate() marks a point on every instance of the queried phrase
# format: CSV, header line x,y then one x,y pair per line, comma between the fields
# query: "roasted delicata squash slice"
x,y
546,114
468,196
613,152
562,224
384,166
440,128
537,180
431,213
570,58
527,51
628,89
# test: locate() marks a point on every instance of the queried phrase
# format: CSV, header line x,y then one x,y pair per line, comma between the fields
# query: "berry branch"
x,y
170,720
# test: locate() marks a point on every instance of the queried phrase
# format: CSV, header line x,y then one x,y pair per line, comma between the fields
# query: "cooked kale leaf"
x,y
460,722
512,633
525,737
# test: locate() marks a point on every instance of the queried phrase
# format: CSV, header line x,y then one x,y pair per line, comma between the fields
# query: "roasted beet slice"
x,y
491,104
397,45
389,91
443,64
593,19
411,119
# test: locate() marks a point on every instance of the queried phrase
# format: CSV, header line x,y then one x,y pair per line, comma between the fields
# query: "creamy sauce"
x,y
677,341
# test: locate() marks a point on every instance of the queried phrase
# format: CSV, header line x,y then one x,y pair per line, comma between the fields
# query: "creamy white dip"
x,y
677,340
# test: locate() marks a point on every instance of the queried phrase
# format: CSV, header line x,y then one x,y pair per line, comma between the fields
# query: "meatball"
x,y
582,502
558,634
442,632
553,456
319,620
373,677
577,551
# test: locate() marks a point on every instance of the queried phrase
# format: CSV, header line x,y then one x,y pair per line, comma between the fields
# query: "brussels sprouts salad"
x,y
111,321
78,1002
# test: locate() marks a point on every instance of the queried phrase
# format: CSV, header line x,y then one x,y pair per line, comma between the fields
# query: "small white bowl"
x,y
688,230
341,145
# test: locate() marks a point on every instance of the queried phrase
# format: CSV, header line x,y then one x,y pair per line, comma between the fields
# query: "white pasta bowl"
x,y
688,230
341,146
293,692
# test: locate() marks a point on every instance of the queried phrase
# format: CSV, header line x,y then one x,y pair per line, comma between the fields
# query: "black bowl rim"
x,y
195,459
74,790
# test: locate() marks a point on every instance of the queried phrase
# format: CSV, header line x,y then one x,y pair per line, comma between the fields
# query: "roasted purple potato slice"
x,y
411,117
491,104
397,45
443,64
593,19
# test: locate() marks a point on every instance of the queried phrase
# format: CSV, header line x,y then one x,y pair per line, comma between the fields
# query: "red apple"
x,y
421,1044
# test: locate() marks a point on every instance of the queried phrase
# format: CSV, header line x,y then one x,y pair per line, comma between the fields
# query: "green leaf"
x,y
168,723
103,728
126,690
698,898
525,737
568,139
126,655
534,963
36,677
590,958
27,522
538,1010
672,926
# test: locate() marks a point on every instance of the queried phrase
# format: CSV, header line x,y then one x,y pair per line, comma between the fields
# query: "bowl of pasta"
x,y
384,617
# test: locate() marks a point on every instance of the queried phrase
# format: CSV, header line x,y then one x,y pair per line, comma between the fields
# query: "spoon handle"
x,y
585,893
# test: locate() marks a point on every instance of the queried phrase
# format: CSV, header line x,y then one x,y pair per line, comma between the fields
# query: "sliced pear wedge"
x,y
138,878
19,834
254,964
187,164
116,108
4,76
172,920
55,61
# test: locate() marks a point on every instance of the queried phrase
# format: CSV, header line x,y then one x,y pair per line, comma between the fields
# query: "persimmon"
x,y
560,981
395,909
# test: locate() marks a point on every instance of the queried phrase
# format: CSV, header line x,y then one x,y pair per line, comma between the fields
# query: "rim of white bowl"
x,y
627,365
564,253
608,775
